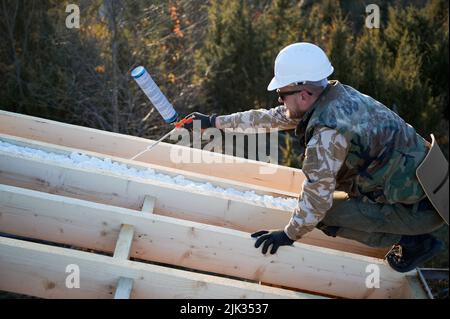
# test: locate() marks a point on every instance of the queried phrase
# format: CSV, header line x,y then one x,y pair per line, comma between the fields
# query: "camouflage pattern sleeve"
x,y
324,156
274,118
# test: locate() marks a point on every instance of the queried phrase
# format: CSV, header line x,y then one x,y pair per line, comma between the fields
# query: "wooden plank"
x,y
129,192
224,183
40,270
283,179
124,288
123,245
413,288
205,207
149,204
193,245
316,237
122,251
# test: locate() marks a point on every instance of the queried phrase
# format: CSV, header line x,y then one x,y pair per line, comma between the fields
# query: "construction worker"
x,y
356,145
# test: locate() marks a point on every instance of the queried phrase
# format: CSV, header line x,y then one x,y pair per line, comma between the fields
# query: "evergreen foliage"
x,y
214,56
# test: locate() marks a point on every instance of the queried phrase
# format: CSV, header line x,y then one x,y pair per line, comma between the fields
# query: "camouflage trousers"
x,y
378,225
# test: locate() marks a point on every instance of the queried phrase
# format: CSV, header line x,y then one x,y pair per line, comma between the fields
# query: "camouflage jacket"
x,y
354,144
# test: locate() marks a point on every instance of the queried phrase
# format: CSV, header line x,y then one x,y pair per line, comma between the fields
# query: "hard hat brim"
x,y
277,83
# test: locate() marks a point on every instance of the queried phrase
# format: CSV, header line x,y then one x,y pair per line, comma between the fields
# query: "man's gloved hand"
x,y
276,238
206,121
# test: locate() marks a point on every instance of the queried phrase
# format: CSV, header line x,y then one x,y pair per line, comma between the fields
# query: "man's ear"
x,y
304,95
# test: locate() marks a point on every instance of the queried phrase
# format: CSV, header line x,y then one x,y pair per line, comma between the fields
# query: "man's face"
x,y
296,99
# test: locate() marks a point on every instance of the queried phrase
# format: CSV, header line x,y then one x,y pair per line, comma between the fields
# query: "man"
x,y
353,144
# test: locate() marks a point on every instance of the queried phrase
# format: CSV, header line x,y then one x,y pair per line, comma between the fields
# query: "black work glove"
x,y
276,238
206,121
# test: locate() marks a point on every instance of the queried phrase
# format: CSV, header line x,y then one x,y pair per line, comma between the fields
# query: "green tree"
x,y
230,61
407,88
414,82
290,154
369,61
340,49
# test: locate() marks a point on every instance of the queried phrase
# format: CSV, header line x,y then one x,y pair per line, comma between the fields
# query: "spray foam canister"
x,y
146,83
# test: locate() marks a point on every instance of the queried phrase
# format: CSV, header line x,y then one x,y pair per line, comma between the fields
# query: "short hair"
x,y
314,87
321,83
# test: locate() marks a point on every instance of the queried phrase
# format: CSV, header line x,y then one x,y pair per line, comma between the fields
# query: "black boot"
x,y
412,251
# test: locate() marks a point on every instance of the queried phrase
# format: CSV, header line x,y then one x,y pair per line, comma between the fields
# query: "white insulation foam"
x,y
80,160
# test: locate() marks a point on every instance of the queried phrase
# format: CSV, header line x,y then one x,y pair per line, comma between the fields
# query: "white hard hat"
x,y
300,62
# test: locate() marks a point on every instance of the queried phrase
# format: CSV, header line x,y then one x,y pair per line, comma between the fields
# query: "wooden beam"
x,y
283,179
122,251
316,237
129,192
198,246
413,288
149,204
123,245
124,288
224,183
39,270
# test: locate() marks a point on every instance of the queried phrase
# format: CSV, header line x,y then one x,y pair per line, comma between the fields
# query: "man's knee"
x,y
351,213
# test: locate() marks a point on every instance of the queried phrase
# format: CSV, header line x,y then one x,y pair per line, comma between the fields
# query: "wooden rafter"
x,y
283,179
129,192
193,245
40,270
